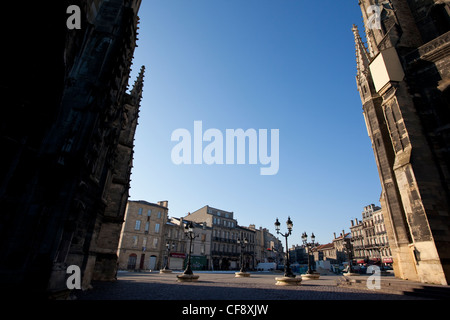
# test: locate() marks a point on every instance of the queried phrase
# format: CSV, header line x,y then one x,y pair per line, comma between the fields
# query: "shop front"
x,y
197,263
176,261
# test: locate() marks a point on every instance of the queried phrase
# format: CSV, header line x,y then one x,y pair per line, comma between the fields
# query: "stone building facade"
x,y
340,243
299,254
325,252
141,245
175,242
249,249
268,248
358,242
224,248
175,235
67,137
273,250
201,258
369,237
404,82
381,250
150,240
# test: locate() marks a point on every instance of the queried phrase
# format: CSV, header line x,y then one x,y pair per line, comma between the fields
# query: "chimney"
x,y
353,222
164,203
334,234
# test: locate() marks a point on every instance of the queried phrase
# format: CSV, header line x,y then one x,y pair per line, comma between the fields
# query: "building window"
x,y
155,242
149,213
159,214
140,211
137,225
144,244
134,241
157,228
147,226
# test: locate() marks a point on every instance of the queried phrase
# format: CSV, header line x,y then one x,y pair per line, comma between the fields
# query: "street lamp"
x,y
308,246
188,275
310,274
242,273
189,232
348,247
166,265
243,244
287,267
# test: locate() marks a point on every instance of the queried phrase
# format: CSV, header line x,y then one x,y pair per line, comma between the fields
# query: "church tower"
x,y
403,77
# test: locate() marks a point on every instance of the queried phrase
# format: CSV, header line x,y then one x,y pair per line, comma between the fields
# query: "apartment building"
x,y
225,252
369,237
177,240
248,249
140,245
268,248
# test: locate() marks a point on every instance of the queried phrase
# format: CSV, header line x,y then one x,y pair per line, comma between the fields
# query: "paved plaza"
x,y
225,286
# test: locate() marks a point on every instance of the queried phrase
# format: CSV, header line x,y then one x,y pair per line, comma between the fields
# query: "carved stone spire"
x,y
362,54
136,92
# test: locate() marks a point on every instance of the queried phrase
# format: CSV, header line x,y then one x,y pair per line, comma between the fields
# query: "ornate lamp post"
x,y
243,243
289,277
166,266
348,247
381,247
188,275
310,274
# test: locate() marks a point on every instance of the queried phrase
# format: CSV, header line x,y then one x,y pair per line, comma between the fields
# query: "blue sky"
x,y
261,64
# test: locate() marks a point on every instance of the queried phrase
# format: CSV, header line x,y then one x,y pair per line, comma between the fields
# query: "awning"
x,y
178,255
388,260
360,261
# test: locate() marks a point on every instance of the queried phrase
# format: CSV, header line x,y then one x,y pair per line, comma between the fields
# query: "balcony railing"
x,y
224,240
225,254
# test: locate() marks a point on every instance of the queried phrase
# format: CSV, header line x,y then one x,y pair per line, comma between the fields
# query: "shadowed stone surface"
x,y
224,286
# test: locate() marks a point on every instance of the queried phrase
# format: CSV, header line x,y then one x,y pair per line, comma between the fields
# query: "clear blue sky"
x,y
261,64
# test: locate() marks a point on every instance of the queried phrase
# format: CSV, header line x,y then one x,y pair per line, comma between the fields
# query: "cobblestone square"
x,y
225,286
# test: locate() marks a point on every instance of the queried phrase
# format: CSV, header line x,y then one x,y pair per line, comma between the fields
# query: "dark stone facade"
x,y
408,120
67,134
